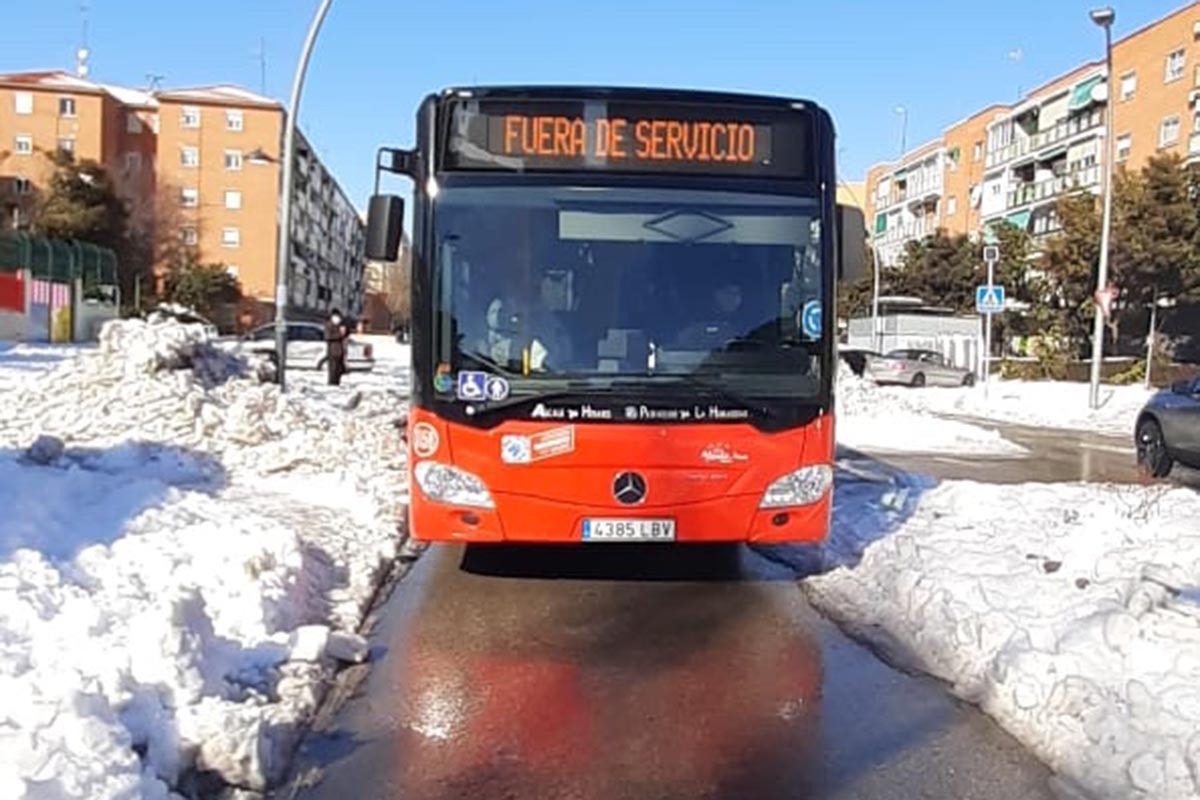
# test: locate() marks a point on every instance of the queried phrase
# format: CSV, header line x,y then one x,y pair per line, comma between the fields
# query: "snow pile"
x,y
1070,613
1045,404
877,420
184,554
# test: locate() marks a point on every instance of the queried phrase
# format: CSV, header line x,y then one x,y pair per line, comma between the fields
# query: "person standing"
x,y
335,347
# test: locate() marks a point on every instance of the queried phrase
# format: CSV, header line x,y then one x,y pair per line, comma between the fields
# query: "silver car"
x,y
306,347
1168,429
917,368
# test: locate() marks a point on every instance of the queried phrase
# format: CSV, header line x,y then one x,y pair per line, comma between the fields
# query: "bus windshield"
x,y
606,286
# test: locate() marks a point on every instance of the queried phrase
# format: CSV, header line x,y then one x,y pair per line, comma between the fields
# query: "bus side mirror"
x,y
385,226
852,244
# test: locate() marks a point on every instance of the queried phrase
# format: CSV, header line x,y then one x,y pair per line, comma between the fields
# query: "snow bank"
x,y
1048,404
178,575
1070,613
873,419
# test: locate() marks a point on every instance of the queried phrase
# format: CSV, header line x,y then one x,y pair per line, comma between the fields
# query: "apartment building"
x,y
1011,163
905,200
199,168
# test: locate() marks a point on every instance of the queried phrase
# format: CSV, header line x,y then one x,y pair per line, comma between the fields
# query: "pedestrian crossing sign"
x,y
989,299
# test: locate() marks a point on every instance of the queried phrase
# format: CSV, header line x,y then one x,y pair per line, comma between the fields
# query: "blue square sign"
x,y
989,299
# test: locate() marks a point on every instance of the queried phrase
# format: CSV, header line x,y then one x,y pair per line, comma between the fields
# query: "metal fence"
x,y
60,261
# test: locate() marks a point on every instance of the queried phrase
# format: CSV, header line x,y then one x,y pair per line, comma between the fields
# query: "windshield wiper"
x,y
481,360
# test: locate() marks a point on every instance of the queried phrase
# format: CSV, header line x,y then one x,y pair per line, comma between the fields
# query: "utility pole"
x,y
1104,17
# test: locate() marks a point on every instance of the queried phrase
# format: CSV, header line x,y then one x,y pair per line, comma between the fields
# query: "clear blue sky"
x,y
376,59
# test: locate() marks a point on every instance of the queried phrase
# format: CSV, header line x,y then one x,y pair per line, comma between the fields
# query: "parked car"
x,y
857,359
306,347
918,368
1168,429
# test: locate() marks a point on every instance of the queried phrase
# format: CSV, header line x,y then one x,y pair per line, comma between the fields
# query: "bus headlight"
x,y
443,483
803,487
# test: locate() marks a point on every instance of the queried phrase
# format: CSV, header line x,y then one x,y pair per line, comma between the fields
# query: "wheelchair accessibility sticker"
x,y
471,385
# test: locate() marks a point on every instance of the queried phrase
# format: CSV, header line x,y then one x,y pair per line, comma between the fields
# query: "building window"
x,y
133,162
951,205
66,106
1128,86
1168,132
66,145
231,237
132,123
189,117
22,186
1176,64
1124,146
977,153
189,236
189,197
23,145
233,160
234,120
233,199
189,157
23,103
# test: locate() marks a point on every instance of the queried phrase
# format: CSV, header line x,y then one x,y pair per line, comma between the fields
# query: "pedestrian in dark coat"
x,y
335,347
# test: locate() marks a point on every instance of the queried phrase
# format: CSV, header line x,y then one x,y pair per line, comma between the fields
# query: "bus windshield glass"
x,y
599,287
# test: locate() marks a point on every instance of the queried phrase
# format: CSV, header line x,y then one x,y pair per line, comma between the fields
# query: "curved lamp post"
x,y
285,188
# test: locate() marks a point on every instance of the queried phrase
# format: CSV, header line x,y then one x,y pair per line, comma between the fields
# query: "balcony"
x,y
1062,132
1194,147
1053,187
906,232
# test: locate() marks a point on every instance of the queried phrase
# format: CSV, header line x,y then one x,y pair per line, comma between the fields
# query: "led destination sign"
x,y
629,137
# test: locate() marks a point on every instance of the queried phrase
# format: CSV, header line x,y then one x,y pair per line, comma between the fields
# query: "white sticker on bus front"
x,y
516,449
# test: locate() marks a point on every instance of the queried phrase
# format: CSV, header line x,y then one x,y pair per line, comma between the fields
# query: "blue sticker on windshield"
x,y
471,385
810,319
496,388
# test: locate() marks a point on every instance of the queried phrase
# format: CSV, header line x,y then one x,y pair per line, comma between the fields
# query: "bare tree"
x,y
396,284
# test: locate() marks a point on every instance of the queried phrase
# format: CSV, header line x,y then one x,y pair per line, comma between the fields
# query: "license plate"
x,y
629,530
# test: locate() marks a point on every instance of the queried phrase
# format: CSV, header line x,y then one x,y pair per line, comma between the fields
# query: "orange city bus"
x,y
623,314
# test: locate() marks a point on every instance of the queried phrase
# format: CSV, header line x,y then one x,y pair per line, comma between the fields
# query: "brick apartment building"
x,y
1013,162
200,167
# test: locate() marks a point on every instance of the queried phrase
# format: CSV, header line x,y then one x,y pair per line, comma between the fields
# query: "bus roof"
x,y
630,93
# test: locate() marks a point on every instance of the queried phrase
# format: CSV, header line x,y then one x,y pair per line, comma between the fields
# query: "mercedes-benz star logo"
x,y
629,488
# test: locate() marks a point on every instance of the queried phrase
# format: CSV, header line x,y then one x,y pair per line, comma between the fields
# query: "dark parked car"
x,y
857,359
1168,429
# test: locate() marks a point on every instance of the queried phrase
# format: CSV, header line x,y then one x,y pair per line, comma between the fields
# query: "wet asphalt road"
x,y
642,673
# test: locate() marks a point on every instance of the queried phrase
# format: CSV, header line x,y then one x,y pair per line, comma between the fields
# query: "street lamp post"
x,y
285,189
1104,17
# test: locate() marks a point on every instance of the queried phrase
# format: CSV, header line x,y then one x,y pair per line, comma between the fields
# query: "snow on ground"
x,y
19,361
1068,612
879,420
1049,404
182,566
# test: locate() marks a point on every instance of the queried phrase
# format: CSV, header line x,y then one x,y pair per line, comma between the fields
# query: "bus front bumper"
x,y
530,519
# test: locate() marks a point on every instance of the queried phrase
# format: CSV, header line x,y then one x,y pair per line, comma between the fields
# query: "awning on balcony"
x,y
1081,95
880,223
1019,220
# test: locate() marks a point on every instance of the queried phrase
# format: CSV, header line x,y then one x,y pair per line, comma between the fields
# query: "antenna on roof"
x,y
261,55
81,55
1015,55
153,82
